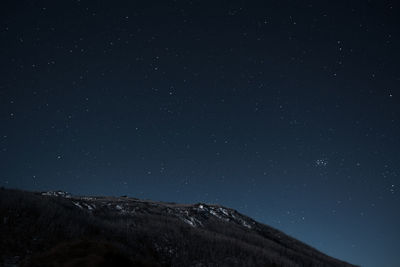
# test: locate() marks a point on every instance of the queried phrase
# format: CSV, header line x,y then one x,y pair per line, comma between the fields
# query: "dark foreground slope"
x,y
56,229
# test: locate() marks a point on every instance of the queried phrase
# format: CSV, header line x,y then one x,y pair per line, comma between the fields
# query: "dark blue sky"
x,y
288,111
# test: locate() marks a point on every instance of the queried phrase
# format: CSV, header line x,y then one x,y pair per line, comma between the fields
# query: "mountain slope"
x,y
57,229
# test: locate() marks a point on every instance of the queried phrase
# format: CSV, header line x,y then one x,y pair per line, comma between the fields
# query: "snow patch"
x,y
77,204
213,212
192,221
89,207
121,208
57,194
189,222
224,211
245,224
219,215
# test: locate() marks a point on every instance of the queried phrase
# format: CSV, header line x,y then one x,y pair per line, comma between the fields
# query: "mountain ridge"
x,y
40,226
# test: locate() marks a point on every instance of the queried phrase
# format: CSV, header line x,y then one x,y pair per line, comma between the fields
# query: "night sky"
x,y
288,111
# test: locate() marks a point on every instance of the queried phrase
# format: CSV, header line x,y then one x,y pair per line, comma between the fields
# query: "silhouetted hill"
x,y
57,229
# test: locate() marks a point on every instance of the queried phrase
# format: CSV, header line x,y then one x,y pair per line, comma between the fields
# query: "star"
x,y
321,162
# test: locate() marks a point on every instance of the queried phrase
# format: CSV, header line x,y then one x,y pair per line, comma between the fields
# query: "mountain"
x,y
58,229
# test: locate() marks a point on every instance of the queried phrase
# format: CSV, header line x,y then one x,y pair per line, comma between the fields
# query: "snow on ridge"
x,y
121,207
57,194
83,205
89,206
77,204
228,215
192,221
188,222
215,214
194,215
224,211
219,214
88,198
245,224
200,207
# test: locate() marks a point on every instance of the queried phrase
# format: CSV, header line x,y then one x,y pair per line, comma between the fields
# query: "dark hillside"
x,y
56,229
